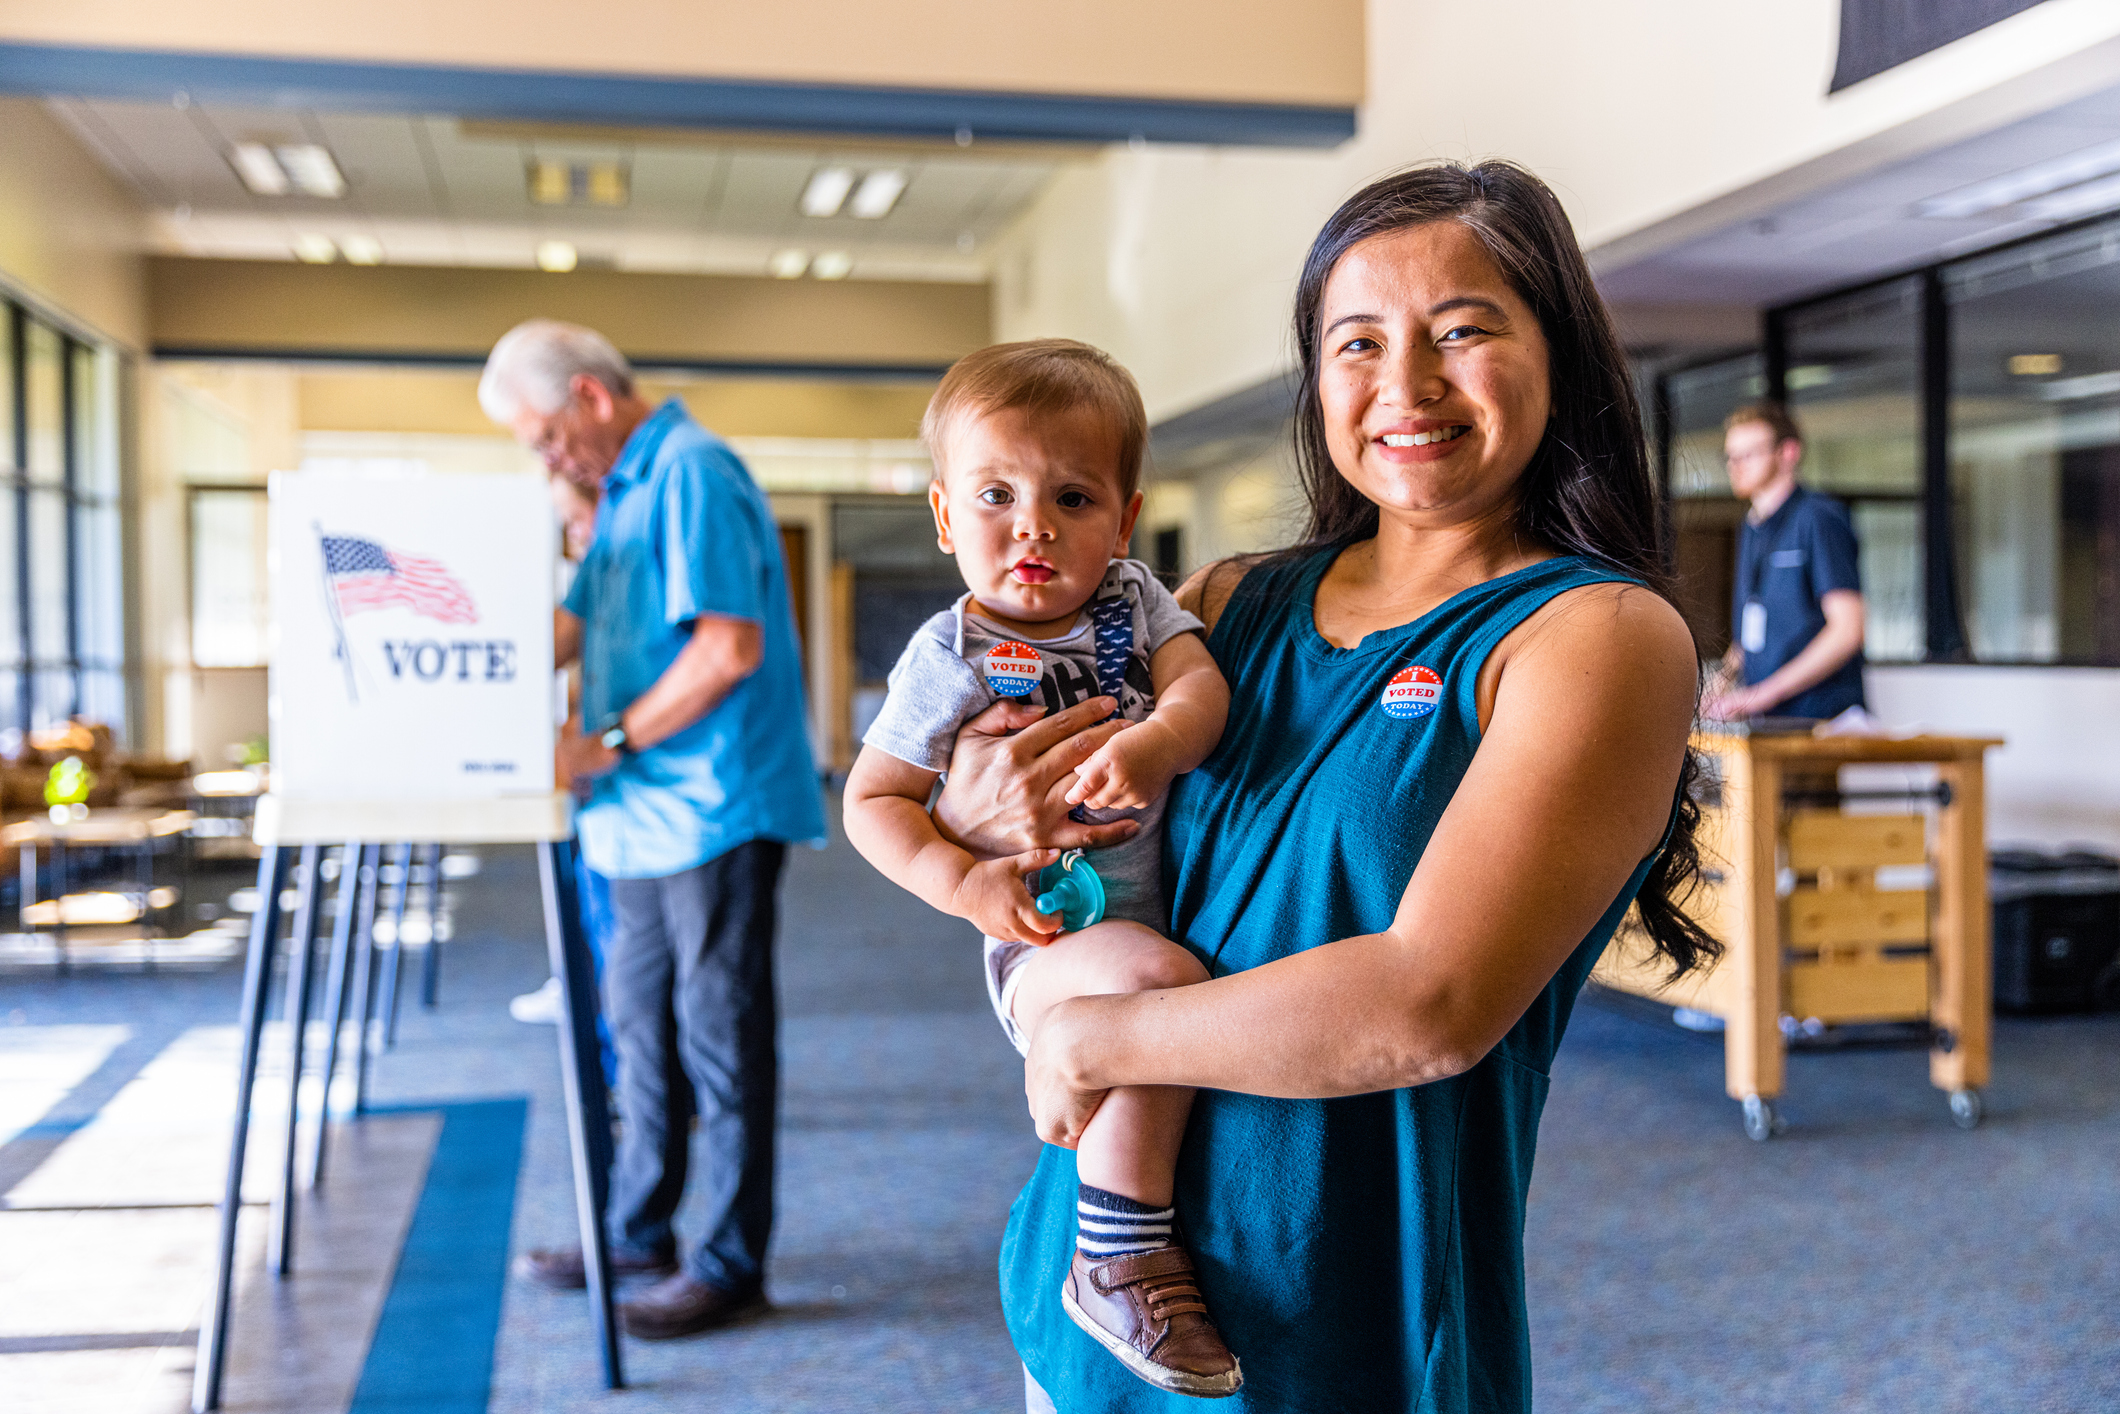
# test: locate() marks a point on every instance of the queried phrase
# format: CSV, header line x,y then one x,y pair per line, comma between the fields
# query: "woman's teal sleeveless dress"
x,y
1364,1254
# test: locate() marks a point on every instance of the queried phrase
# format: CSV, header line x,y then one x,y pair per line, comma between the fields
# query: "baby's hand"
x,y
1130,771
994,897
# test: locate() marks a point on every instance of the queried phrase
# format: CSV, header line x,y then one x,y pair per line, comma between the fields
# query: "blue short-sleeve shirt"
x,y
683,531
1786,565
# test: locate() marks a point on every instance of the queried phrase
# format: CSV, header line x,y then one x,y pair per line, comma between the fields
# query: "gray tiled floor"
x,y
1872,1259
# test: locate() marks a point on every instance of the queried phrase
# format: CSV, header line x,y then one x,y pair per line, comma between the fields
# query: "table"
x,y
107,828
1793,893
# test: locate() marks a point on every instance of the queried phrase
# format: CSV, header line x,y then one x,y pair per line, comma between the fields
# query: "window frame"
x,y
79,437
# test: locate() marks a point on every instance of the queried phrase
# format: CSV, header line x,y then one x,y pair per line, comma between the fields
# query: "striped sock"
x,y
1109,1225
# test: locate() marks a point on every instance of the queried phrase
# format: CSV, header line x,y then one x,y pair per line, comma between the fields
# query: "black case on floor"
x,y
2057,930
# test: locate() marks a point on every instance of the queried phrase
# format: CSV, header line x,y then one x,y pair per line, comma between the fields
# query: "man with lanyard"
x,y
1798,615
700,777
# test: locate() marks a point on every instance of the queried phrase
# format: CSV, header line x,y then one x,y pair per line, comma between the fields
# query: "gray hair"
x,y
535,364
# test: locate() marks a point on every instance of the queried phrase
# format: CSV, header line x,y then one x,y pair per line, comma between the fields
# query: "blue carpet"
x,y
433,1346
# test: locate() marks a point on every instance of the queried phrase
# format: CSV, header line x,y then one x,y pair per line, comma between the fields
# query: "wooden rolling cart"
x,y
1836,946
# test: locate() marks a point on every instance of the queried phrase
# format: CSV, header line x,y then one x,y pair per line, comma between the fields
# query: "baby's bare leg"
x,y
1131,1145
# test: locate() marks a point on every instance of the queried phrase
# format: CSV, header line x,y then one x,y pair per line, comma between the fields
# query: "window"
x,y
1854,382
62,615
2035,448
1690,405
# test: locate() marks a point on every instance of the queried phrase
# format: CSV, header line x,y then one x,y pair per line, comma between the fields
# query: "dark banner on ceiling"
x,y
1876,35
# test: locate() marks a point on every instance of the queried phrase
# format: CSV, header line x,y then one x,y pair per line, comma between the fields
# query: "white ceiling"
x,y
1866,227
435,191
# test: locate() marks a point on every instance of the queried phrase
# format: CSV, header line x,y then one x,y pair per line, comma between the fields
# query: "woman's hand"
x,y
1008,793
1060,1110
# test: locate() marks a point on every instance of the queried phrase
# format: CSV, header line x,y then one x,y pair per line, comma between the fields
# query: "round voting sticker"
x,y
1012,669
1412,692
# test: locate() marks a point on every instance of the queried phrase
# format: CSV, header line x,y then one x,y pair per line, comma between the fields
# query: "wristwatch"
x,y
613,735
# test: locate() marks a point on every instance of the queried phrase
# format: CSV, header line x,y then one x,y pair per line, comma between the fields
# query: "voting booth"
x,y
413,702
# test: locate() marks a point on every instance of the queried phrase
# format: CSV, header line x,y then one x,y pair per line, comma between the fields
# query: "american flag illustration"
x,y
363,574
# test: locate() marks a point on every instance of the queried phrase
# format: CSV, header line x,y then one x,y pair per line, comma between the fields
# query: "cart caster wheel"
x,y
1966,1108
1761,1122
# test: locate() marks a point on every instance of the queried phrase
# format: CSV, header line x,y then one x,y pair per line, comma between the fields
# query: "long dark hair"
x,y
1587,491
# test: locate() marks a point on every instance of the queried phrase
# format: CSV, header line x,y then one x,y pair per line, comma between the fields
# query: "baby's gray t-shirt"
x,y
958,665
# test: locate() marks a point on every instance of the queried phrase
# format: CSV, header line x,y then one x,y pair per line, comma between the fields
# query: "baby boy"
x,y
1037,449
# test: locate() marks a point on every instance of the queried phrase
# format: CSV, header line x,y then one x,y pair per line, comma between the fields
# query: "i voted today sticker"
x,y
1012,668
1412,692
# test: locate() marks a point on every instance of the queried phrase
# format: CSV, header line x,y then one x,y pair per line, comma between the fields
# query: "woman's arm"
x,y
1570,789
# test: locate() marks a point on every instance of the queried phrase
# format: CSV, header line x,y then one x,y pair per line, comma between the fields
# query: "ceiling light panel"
x,y
553,183
361,250
788,264
311,168
878,193
315,250
827,191
2024,184
557,257
832,265
259,170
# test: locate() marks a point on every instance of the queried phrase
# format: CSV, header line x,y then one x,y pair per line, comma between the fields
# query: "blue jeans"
x,y
592,892
688,985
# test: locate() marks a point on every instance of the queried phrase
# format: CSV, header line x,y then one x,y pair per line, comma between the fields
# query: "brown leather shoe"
x,y
1147,1310
563,1268
678,1305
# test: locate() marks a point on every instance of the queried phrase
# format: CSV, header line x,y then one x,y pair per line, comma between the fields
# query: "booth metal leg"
x,y
280,1237
582,1074
431,960
363,1006
340,958
393,971
257,968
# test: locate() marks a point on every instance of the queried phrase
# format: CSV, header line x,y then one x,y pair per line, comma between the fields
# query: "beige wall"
x,y
1245,50
70,237
1650,119
281,306
371,399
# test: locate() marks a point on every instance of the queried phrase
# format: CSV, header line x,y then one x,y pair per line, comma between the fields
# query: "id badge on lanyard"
x,y
1752,627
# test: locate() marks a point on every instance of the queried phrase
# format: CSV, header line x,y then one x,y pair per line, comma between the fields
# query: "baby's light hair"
x,y
1042,377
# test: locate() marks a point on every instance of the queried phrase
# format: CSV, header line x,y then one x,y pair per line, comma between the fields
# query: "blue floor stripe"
x,y
433,1346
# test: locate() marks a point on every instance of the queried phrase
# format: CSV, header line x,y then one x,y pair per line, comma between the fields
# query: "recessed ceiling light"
x,y
827,191
2025,183
315,250
606,184
556,257
361,250
832,265
311,170
2034,365
260,170
878,193
788,264
551,183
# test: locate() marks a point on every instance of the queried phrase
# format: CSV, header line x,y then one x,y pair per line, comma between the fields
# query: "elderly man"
x,y
700,777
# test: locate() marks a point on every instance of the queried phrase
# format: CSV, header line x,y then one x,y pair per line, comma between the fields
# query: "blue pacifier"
x,y
1070,888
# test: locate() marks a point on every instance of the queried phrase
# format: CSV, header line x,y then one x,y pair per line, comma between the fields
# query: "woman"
x,y
1454,758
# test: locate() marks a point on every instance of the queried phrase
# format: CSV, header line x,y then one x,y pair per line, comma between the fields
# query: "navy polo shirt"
x,y
1786,565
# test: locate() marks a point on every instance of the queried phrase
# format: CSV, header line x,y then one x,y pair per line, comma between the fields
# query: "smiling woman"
x,y
1455,756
